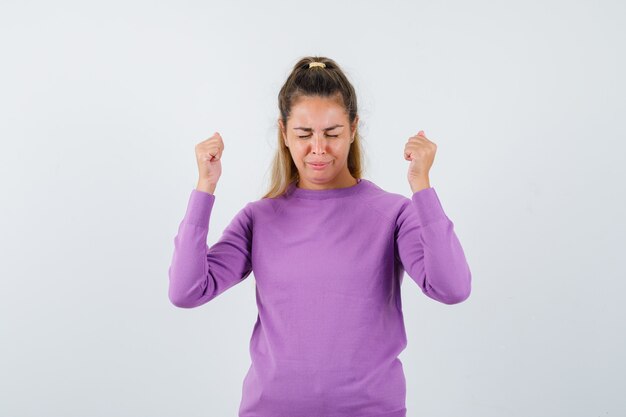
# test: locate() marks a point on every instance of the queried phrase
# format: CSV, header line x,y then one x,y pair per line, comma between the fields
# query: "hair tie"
x,y
317,64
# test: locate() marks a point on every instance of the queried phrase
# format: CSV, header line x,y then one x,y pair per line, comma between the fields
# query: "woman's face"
x,y
318,131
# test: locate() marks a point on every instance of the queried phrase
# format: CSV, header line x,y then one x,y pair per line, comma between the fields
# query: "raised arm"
x,y
198,273
430,251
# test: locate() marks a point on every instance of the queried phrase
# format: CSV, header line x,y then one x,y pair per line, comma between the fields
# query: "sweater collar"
x,y
294,191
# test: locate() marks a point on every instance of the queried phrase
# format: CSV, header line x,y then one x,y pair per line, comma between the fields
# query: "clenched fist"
x,y
421,152
208,157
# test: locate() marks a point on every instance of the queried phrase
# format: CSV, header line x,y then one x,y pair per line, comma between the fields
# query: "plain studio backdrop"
x,y
103,103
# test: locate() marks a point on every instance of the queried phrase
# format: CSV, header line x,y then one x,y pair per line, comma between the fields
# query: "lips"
x,y
318,165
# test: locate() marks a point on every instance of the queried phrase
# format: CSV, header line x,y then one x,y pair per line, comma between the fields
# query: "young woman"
x,y
329,250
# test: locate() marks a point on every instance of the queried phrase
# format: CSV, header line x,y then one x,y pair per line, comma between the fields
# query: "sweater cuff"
x,y
199,208
428,206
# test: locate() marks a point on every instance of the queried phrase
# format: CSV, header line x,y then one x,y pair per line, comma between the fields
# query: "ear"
x,y
281,128
353,129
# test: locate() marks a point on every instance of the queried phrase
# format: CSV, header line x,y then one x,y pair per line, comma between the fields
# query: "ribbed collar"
x,y
296,192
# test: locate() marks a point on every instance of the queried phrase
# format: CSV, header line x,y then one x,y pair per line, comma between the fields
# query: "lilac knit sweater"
x,y
328,267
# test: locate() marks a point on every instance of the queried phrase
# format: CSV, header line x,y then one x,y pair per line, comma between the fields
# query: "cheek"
x,y
341,152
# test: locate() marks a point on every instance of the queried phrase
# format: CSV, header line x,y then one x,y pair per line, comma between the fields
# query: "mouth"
x,y
318,165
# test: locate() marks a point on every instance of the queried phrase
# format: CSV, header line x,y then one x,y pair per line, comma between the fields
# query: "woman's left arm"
x,y
426,243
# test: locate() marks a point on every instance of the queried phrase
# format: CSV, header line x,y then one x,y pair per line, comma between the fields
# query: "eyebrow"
x,y
308,129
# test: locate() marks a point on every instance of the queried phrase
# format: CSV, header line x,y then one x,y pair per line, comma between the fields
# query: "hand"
x,y
421,152
208,157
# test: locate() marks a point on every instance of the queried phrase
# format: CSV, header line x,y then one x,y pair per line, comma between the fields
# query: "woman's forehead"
x,y
318,116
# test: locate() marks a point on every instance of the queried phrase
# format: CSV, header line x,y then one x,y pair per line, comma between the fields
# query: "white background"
x,y
102,103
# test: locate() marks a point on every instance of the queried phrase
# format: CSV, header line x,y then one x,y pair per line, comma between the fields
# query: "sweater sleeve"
x,y
198,273
430,251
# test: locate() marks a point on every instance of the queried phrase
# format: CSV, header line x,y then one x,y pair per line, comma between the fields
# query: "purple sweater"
x,y
328,266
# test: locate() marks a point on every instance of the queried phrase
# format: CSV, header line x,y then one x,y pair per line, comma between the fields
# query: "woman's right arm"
x,y
198,273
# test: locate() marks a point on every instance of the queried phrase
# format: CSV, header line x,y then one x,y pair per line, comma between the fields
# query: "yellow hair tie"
x,y
317,64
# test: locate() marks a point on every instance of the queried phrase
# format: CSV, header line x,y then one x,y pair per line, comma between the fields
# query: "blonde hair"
x,y
329,82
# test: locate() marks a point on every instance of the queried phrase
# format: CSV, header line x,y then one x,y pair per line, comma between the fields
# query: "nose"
x,y
319,144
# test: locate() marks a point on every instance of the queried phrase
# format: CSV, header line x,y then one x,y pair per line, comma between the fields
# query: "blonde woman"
x,y
329,250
